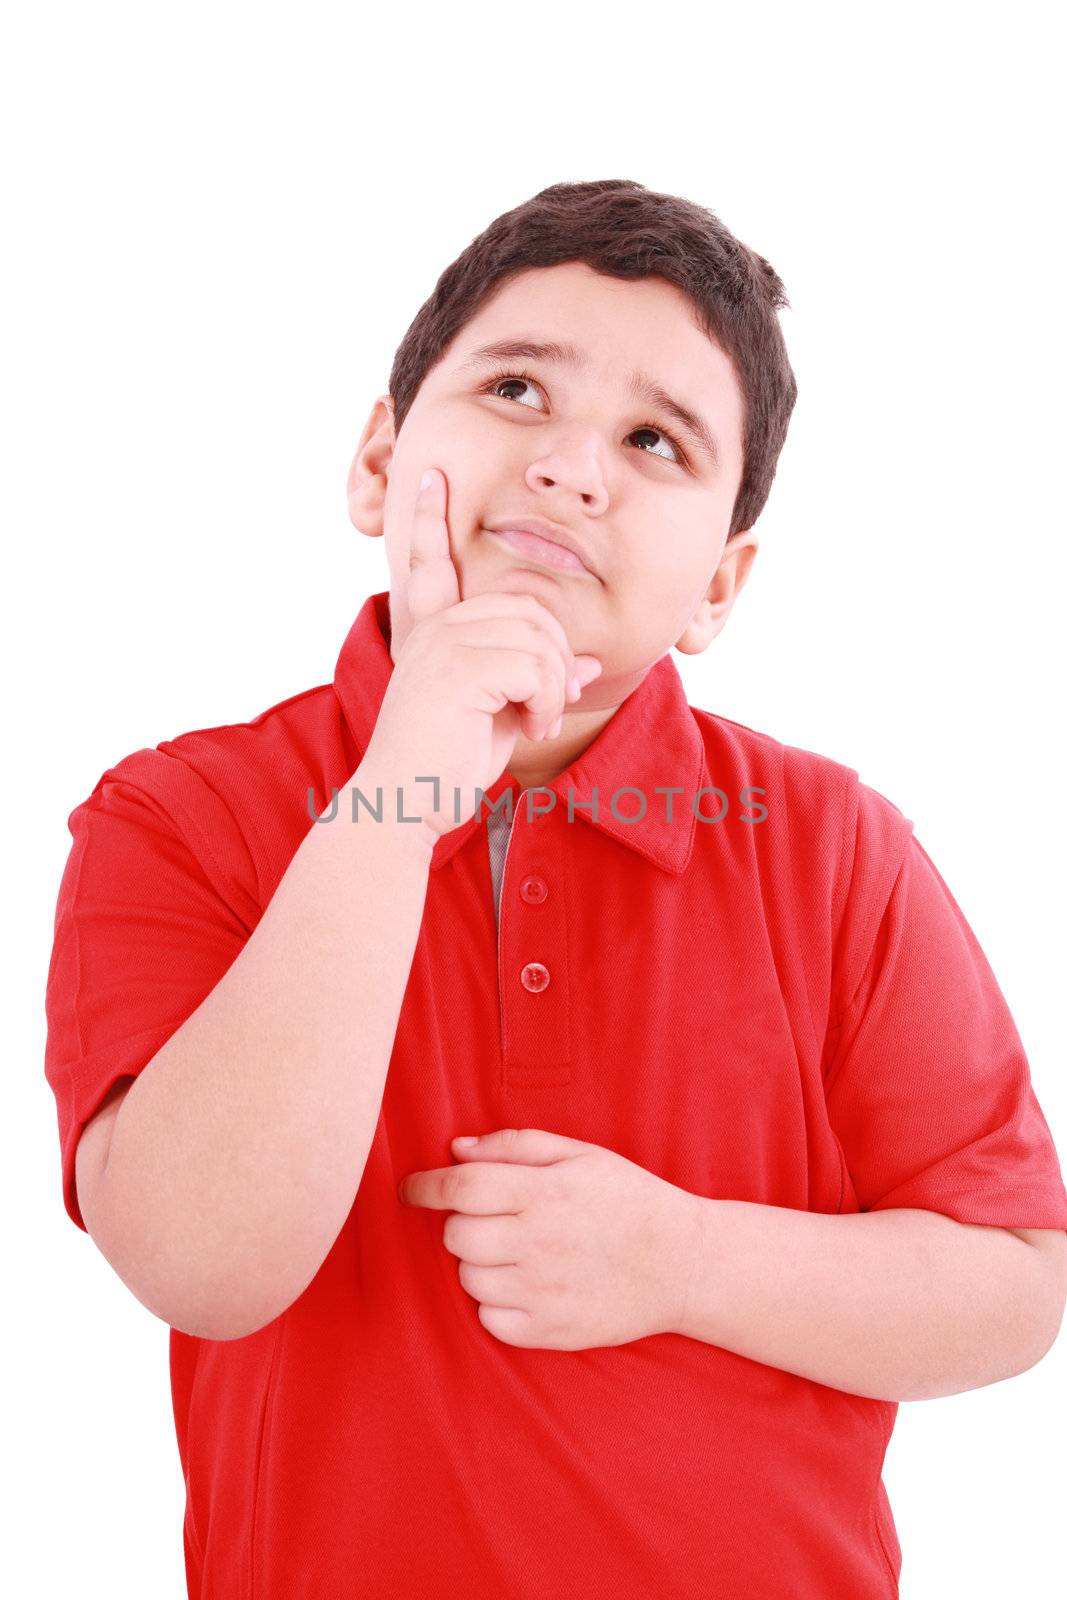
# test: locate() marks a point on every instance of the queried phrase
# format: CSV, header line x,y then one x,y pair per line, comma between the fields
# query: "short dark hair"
x,y
624,230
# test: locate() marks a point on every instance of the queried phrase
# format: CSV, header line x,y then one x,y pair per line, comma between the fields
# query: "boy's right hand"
x,y
470,676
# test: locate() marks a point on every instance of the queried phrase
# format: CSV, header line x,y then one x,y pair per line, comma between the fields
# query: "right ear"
x,y
368,476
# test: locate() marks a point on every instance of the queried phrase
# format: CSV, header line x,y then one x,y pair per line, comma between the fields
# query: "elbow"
x,y
208,1316
1053,1296
1049,1327
1020,1349
205,1308
1034,1355
180,1286
1044,1326
216,1333
223,1328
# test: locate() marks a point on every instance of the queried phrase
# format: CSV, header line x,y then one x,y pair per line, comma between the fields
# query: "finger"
x,y
495,1285
583,667
483,1241
531,681
433,583
535,679
537,721
526,609
481,1190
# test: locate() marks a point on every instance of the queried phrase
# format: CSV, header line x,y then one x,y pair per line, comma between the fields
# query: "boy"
x,y
762,1155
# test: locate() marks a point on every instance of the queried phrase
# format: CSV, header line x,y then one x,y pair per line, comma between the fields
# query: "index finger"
x,y
465,1188
433,583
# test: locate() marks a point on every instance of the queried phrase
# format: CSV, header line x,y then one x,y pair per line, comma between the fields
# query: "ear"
x,y
729,579
368,476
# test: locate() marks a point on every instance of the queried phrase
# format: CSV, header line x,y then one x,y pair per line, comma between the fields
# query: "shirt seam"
x,y
262,1447
204,848
887,1410
839,897
83,841
869,941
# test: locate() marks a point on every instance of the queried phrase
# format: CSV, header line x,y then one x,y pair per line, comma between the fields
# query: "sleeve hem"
x,y
102,1071
1012,1205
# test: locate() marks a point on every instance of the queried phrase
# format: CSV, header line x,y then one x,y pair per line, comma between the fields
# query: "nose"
x,y
575,471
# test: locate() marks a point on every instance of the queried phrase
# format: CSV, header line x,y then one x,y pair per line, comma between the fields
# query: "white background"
x,y
220,221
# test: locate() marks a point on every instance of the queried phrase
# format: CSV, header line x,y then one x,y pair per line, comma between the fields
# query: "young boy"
x,y
761,1154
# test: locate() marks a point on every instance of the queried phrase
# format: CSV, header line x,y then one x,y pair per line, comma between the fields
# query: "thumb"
x,y
532,1147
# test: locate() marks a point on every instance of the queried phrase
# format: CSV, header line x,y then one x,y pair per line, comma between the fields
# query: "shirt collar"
x,y
651,742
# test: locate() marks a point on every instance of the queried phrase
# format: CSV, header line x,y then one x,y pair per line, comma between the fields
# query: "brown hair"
x,y
624,230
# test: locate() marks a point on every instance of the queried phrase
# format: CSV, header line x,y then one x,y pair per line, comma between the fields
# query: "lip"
x,y
544,542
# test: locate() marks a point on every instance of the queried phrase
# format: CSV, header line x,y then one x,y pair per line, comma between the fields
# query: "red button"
x,y
534,977
534,889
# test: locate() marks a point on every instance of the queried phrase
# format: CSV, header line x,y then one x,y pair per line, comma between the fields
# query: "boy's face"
x,y
572,445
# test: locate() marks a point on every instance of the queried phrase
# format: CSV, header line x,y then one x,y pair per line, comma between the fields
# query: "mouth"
x,y
542,552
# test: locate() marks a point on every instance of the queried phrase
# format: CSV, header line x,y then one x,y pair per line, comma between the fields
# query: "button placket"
x,y
531,956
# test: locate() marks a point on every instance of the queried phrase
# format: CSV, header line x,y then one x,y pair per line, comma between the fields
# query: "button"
x,y
534,977
534,889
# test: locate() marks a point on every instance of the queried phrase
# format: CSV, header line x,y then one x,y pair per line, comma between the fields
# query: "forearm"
x,y
894,1305
239,1149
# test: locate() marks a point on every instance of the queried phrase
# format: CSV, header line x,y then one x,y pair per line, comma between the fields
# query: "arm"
x,y
894,1305
236,1154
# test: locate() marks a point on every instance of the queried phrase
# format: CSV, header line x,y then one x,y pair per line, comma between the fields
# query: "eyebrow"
x,y
641,386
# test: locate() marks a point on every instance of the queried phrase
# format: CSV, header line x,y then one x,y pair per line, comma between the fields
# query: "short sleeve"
x,y
149,917
927,1086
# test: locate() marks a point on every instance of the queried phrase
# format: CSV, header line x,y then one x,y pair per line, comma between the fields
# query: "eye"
x,y
650,427
506,377
500,378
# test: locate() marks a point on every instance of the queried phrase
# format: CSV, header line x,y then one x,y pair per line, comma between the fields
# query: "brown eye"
x,y
505,378
662,435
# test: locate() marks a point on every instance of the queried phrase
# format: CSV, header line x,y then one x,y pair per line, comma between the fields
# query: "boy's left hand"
x,y
566,1245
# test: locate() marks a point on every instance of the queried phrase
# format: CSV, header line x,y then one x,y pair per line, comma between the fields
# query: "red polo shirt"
x,y
784,1005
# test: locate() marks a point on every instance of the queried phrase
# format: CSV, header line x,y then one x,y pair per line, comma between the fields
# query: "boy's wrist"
x,y
403,806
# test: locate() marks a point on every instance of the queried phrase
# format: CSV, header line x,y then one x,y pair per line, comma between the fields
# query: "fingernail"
x,y
427,478
466,1140
574,687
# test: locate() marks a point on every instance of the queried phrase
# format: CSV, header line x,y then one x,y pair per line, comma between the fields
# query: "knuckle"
x,y
455,1185
548,638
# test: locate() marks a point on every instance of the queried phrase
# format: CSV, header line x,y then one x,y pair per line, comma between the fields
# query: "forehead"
x,y
616,327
